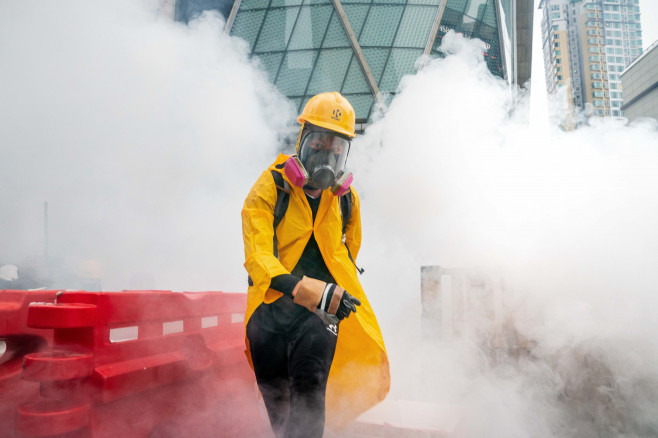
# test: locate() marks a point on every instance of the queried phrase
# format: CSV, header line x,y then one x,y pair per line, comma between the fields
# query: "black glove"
x,y
347,304
336,300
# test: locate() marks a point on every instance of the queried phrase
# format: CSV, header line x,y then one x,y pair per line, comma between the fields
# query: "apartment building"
x,y
586,46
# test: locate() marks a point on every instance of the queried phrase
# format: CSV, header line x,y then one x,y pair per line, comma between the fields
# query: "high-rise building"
x,y
363,48
586,45
640,81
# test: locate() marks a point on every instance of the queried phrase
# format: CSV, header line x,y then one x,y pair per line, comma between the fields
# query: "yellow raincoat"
x,y
359,376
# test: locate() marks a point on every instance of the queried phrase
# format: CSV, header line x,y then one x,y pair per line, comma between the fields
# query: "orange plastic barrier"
x,y
141,364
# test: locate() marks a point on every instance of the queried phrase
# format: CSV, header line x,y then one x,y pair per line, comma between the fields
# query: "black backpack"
x,y
281,206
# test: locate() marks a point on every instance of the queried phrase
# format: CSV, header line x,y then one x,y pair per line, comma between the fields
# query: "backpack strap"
x,y
346,208
281,206
346,212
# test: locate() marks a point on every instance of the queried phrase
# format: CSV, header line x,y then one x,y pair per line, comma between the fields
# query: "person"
x,y
312,337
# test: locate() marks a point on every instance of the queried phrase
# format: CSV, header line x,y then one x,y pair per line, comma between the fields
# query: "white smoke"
x,y
566,219
143,135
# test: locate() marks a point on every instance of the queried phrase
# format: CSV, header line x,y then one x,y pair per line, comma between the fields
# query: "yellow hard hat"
x,y
330,111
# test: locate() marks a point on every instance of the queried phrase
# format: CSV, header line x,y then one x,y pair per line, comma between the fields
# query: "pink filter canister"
x,y
295,171
345,186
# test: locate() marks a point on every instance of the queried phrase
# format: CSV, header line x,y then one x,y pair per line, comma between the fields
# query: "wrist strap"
x,y
333,300
326,296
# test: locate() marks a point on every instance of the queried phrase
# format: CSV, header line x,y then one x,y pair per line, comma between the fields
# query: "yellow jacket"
x,y
359,376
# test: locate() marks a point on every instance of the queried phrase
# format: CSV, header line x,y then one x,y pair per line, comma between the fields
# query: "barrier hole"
x,y
14,348
19,345
172,327
237,317
209,321
123,334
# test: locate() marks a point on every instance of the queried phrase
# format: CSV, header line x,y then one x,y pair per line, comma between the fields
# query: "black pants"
x,y
292,363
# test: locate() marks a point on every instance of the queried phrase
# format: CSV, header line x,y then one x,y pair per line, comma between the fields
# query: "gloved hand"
x,y
336,301
346,305
327,297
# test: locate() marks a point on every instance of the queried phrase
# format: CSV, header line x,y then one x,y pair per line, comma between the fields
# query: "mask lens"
x,y
316,146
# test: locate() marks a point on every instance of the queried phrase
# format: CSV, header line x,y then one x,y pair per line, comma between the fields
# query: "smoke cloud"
x,y
143,135
454,175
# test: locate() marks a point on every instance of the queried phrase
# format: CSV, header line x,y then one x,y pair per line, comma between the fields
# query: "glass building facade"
x,y
186,10
474,19
361,48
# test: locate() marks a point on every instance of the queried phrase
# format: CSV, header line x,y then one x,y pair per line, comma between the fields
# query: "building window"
x,y
559,77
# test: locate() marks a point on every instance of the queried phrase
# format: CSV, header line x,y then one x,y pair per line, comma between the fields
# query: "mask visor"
x,y
322,149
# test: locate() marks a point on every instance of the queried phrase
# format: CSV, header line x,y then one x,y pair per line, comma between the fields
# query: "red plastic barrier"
x,y
18,340
141,364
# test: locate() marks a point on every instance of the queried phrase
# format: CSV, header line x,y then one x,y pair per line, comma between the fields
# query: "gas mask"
x,y
320,162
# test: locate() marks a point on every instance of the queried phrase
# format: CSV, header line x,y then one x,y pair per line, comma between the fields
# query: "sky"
x,y
649,11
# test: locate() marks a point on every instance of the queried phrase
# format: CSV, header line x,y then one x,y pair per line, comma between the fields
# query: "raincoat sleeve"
x,y
353,230
258,232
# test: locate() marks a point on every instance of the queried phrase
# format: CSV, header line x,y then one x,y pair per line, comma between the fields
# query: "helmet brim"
x,y
326,125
